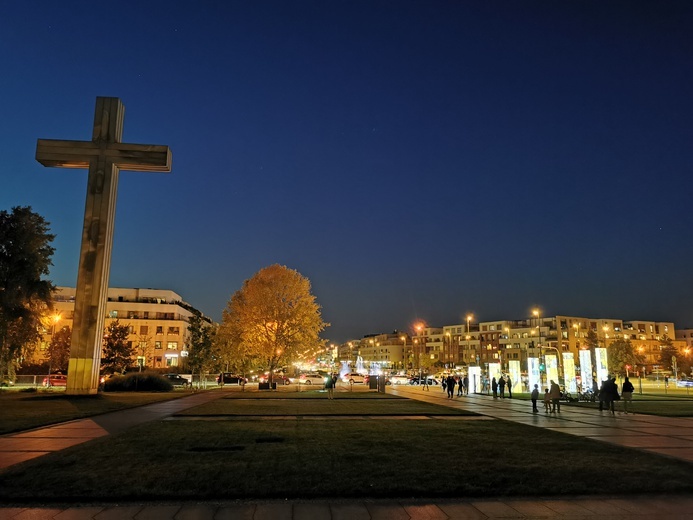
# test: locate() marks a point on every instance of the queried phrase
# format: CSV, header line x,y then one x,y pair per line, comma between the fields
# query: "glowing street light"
x,y
404,347
470,317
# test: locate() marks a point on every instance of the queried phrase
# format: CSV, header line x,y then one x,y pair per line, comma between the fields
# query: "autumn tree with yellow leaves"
x,y
270,320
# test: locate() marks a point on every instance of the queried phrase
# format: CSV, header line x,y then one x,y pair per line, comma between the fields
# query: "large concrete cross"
x,y
105,155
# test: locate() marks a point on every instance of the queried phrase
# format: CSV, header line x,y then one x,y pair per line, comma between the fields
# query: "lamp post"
x,y
404,348
470,317
421,343
576,326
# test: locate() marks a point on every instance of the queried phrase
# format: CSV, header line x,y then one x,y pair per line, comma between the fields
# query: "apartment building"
x,y
502,341
685,335
157,322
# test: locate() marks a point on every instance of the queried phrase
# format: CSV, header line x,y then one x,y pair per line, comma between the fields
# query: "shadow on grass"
x,y
318,458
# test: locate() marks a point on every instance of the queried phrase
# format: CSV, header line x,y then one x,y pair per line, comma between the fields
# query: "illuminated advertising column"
x,y
602,364
474,375
586,370
494,371
551,368
533,375
514,365
569,372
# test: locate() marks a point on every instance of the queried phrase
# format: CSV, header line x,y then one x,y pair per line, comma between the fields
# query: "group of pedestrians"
x,y
499,386
449,383
608,395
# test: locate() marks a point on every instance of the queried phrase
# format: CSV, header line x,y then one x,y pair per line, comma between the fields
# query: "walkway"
x,y
615,508
26,445
670,436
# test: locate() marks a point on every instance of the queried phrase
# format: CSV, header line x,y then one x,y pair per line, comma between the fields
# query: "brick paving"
x,y
670,436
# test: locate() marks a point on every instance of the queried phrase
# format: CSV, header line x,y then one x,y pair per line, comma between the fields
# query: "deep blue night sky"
x,y
415,160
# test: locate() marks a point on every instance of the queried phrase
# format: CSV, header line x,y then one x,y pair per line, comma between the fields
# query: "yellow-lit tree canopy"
x,y
271,318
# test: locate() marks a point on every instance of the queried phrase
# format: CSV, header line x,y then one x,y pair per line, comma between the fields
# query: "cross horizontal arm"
x,y
79,154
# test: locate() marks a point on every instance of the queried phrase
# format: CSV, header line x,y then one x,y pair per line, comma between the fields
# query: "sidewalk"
x,y
27,445
668,436
613,508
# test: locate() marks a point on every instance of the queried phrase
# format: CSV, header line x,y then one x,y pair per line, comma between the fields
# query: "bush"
x,y
138,382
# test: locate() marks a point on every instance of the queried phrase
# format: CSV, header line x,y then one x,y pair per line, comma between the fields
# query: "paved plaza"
x,y
672,437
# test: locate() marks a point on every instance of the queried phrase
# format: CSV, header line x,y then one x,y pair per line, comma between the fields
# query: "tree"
x,y
25,256
592,340
202,351
234,355
144,350
117,351
667,350
59,350
621,353
272,318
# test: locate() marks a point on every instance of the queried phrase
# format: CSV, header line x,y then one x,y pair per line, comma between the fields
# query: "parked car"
x,y
280,379
419,381
55,380
231,379
353,377
684,382
177,380
312,378
399,380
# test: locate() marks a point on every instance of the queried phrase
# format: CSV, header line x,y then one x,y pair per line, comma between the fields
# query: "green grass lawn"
x,y
22,410
305,404
203,456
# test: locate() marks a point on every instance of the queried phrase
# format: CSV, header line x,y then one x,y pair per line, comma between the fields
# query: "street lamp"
x,y
470,317
421,342
404,348
576,326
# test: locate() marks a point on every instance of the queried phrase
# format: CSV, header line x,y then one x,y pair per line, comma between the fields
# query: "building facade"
x,y
479,344
157,322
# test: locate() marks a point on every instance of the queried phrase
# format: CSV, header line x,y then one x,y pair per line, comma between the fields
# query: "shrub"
x,y
138,382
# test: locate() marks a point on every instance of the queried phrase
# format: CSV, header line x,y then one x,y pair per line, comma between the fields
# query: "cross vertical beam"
x,y
104,157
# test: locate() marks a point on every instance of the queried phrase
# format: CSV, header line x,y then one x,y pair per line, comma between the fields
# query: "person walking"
x,y
510,388
466,385
534,396
444,383
611,395
627,390
547,401
555,395
329,385
451,387
494,387
602,394
459,386
501,387
425,383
